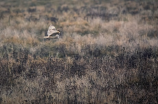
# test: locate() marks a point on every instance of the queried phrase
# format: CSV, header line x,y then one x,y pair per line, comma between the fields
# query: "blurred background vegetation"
x,y
107,53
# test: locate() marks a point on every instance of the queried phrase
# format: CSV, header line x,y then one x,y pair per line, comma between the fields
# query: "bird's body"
x,y
52,32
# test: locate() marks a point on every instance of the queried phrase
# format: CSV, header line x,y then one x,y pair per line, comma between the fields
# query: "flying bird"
x,y
52,32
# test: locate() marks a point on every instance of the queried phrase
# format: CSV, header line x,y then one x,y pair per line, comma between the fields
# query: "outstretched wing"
x,y
52,30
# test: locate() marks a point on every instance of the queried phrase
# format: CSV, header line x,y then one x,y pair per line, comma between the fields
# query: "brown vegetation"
x,y
107,53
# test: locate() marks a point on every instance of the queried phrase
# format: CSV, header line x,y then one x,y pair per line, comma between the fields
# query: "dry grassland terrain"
x,y
107,52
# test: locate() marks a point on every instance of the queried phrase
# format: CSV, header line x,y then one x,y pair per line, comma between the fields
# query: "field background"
x,y
107,53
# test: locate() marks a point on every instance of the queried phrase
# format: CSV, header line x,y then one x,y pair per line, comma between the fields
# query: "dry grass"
x,y
107,52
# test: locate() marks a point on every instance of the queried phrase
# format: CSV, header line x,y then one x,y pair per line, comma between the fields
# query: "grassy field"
x,y
107,53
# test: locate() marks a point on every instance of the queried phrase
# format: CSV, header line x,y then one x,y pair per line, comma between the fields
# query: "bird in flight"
x,y
52,32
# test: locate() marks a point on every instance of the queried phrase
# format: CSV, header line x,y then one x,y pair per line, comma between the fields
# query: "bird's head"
x,y
58,31
58,34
